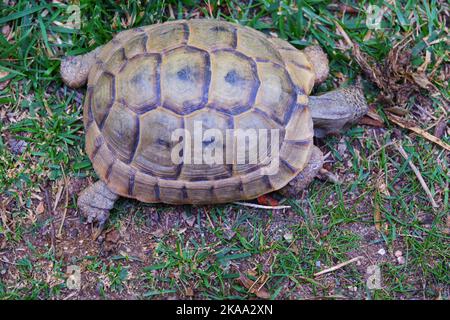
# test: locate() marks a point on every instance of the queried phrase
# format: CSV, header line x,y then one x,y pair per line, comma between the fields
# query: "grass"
x,y
200,252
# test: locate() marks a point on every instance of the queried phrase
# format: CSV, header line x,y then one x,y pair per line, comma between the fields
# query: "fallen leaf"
x,y
288,236
40,208
159,233
407,125
422,80
371,122
377,217
254,287
113,236
440,128
4,84
189,219
398,111
189,292
17,146
267,200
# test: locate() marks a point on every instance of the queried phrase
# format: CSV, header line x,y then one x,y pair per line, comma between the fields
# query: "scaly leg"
x,y
300,182
95,202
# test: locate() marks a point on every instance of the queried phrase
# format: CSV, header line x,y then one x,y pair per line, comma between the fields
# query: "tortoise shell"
x,y
150,81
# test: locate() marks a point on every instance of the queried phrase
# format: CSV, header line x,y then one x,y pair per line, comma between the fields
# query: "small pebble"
x,y
401,260
398,253
381,252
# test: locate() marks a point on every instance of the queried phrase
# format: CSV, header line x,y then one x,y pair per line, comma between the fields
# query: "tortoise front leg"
x,y
95,202
74,70
305,177
319,61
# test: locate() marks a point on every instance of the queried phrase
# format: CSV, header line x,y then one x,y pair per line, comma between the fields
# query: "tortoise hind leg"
x,y
74,70
95,202
300,182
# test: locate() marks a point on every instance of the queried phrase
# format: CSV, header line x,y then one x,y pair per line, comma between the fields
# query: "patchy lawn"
x,y
379,217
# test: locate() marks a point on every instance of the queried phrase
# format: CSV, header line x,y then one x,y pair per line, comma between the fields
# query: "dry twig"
x,y
418,174
258,206
419,131
336,267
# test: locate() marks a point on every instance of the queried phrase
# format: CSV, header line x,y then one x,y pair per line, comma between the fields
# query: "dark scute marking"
x,y
256,85
235,39
265,115
178,171
294,107
97,144
219,29
233,111
122,53
230,123
131,183
187,107
240,186
262,60
288,49
137,79
146,108
229,168
301,66
136,139
144,42
288,165
267,182
207,79
221,176
251,169
113,97
158,79
109,170
157,192
274,64
90,91
184,192
233,78
123,66
186,74
186,31
163,143
199,178
298,142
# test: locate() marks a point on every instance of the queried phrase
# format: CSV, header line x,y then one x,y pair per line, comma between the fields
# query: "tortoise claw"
x,y
95,202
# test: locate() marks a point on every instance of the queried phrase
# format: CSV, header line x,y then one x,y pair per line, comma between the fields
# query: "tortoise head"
x,y
75,69
335,110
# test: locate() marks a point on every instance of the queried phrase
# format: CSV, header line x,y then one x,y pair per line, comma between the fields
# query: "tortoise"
x,y
150,81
